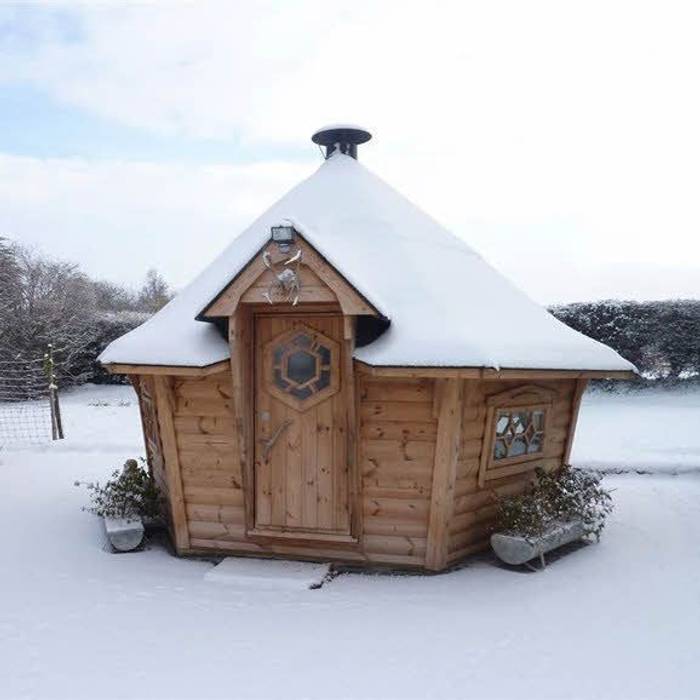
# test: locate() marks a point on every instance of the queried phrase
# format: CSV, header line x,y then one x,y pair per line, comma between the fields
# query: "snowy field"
x,y
648,431
616,620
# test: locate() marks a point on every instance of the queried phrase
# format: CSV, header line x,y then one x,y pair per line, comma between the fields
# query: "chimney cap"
x,y
341,137
340,133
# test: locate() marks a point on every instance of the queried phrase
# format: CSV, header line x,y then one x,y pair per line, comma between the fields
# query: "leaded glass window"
x,y
302,366
519,433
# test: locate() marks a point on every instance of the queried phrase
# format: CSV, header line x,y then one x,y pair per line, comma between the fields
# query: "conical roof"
x,y
446,305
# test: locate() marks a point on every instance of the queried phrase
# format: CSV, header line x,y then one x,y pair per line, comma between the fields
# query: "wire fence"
x,y
27,396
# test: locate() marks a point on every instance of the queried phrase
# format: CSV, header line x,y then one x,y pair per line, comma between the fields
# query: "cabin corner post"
x,y
449,410
353,442
166,422
581,385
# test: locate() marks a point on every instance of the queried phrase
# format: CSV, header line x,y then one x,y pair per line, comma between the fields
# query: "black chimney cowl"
x,y
341,137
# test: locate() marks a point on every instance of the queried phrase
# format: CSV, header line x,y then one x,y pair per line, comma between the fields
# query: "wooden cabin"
x,y
350,382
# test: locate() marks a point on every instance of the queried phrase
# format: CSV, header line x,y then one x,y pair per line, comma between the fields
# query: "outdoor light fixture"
x,y
283,235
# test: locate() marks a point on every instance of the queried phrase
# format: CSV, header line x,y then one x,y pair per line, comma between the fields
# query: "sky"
x,y
560,139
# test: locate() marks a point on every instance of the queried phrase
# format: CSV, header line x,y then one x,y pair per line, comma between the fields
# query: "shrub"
x,y
131,492
556,497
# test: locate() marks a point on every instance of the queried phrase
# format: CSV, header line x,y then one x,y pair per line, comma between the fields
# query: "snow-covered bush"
x,y
131,492
556,497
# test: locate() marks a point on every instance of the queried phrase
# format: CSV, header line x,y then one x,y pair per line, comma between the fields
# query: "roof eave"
x,y
170,370
492,373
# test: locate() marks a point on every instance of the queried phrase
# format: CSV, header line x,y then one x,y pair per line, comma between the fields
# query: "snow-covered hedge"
x,y
659,337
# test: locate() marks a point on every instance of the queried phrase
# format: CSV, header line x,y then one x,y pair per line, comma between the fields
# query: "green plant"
x,y
131,492
556,497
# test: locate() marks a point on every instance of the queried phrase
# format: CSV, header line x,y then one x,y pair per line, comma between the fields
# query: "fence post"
x,y
56,422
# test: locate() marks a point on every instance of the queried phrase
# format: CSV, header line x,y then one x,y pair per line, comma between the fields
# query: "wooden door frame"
x,y
242,334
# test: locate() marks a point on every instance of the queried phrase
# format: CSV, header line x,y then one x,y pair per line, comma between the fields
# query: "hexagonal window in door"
x,y
302,367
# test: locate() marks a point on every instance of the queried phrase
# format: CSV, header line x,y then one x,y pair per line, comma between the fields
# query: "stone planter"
x,y
514,549
124,534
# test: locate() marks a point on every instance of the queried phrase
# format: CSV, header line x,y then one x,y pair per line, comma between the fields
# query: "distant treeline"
x,y
662,338
44,301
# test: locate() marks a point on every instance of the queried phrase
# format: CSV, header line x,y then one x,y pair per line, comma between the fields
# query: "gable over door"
x,y
301,474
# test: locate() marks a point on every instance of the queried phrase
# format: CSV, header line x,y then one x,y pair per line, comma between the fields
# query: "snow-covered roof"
x,y
447,306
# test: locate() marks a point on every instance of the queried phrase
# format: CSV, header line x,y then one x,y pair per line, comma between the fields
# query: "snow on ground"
x,y
652,430
615,620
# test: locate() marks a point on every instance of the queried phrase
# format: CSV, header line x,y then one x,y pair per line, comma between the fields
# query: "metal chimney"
x,y
341,137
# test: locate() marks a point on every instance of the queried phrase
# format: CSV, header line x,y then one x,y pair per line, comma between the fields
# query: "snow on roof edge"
x,y
405,263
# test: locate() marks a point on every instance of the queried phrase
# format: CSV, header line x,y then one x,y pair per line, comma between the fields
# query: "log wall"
x,y
397,432
474,508
212,483
398,429
208,454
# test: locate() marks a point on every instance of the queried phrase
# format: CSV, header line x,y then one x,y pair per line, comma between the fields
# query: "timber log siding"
x,y
419,447
474,507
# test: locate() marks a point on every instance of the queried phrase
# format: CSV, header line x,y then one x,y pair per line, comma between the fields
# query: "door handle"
x,y
269,443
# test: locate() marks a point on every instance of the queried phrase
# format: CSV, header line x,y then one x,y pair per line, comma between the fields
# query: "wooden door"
x,y
301,474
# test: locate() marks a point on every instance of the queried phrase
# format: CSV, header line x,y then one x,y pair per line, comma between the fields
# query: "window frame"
x,y
529,397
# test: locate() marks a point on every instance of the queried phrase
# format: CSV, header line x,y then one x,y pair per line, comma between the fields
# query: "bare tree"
x,y
10,292
46,301
114,297
52,302
155,293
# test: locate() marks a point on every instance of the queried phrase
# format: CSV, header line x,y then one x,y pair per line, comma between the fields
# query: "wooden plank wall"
x,y
397,434
474,508
211,475
398,428
209,464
